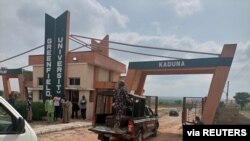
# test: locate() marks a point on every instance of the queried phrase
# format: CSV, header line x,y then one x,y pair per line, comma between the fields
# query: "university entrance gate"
x,y
217,66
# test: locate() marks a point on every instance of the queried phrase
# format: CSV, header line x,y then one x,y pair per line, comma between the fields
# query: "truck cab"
x,y
139,120
12,125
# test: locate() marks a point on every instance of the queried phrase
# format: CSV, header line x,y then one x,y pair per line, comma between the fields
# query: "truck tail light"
x,y
130,126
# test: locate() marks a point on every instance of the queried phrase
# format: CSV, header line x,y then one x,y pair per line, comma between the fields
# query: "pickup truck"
x,y
139,120
12,125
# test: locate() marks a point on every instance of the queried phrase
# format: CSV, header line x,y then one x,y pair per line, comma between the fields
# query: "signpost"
x,y
11,71
55,54
185,63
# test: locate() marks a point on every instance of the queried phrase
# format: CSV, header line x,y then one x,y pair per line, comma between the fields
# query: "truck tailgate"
x,y
106,130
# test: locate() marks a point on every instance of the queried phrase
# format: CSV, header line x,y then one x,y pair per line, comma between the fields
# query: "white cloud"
x,y
22,28
238,76
22,23
186,7
157,26
120,20
178,85
88,16
93,18
168,42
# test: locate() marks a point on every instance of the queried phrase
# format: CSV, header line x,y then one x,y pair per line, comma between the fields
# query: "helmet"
x,y
121,83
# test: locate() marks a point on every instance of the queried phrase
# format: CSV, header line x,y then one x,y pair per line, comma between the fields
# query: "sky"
x,y
195,25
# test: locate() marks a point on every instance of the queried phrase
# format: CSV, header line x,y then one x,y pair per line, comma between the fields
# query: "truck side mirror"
x,y
20,125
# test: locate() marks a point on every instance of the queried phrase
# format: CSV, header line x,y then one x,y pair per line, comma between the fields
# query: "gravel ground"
x,y
170,129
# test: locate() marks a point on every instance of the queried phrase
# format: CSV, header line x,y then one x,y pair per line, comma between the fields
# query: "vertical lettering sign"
x,y
56,34
48,55
60,52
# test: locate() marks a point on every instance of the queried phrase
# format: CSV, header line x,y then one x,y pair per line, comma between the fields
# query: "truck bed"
x,y
110,121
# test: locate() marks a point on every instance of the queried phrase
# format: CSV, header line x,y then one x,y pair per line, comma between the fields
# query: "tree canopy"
x,y
242,98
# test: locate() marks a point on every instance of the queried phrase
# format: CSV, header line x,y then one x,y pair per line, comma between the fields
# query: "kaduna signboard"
x,y
56,47
185,63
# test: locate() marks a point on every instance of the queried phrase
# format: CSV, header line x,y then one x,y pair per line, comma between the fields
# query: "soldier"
x,y
120,99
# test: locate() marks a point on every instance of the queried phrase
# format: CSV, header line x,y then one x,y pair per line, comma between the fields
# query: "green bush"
x,y
37,109
170,103
20,107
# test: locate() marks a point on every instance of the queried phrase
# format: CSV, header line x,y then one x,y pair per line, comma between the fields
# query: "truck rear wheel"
x,y
139,136
154,133
105,138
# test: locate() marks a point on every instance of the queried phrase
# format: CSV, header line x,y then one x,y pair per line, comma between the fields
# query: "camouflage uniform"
x,y
120,97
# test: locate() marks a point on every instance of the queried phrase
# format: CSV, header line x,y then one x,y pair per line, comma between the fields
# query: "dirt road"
x,y
170,130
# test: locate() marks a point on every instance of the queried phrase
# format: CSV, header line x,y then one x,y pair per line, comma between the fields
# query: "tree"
x,y
178,102
242,98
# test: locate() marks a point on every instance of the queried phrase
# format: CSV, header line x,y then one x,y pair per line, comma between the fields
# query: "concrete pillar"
x,y
6,86
217,85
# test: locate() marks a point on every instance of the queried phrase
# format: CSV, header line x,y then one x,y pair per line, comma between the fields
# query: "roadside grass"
x,y
232,115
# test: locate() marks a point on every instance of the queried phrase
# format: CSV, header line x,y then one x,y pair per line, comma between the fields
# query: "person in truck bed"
x,y
120,100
